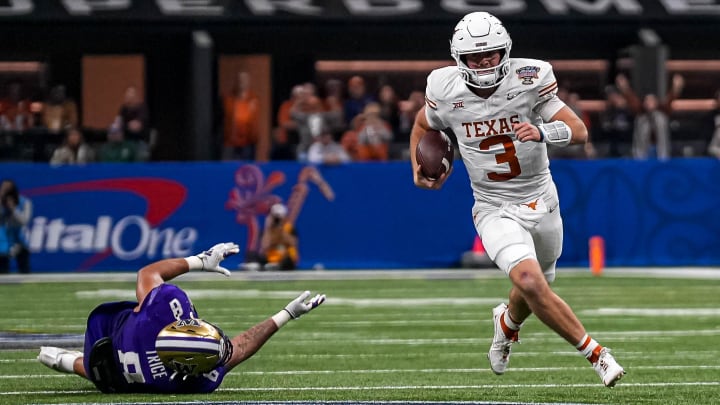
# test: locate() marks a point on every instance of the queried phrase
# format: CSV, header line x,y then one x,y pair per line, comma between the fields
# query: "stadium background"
x,y
186,50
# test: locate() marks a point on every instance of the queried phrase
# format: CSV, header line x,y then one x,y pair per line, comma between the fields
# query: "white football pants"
x,y
512,233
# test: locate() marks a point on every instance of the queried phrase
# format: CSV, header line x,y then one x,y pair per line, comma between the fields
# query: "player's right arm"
x,y
156,274
420,127
161,271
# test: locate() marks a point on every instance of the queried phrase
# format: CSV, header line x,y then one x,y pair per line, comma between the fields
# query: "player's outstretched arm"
x,y
249,342
161,271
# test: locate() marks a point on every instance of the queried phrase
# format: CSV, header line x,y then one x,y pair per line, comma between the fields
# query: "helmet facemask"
x,y
192,347
476,33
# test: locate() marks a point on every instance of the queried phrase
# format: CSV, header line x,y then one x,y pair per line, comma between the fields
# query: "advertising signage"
x,y
351,10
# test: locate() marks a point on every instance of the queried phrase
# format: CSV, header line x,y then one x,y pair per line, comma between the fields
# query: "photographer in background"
x,y
278,246
15,214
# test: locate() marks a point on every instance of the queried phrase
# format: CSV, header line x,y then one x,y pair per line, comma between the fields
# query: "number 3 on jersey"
x,y
509,156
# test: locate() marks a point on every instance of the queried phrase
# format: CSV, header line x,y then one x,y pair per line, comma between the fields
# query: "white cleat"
x,y
58,359
608,369
499,354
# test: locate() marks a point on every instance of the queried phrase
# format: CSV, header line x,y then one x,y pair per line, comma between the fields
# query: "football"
x,y
434,154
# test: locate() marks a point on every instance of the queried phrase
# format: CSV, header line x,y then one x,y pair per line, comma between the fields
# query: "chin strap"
x,y
555,133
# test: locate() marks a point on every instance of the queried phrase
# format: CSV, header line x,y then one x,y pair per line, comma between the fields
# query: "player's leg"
x,y
514,250
548,236
506,243
553,311
63,360
518,309
531,278
79,367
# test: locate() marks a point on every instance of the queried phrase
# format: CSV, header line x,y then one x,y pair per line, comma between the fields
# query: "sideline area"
x,y
709,273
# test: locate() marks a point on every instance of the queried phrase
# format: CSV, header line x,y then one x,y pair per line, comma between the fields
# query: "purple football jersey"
x,y
133,340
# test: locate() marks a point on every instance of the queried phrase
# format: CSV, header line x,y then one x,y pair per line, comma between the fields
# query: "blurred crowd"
x,y
344,122
51,126
347,120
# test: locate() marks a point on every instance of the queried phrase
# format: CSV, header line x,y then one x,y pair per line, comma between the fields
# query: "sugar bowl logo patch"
x,y
527,74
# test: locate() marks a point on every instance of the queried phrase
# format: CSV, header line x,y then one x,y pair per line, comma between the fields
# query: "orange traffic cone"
x,y
597,254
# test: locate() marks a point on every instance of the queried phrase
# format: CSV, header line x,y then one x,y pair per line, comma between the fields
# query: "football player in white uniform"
x,y
503,113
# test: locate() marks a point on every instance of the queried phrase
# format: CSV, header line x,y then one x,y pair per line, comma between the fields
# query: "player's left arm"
x,y
563,128
161,271
578,130
246,344
560,125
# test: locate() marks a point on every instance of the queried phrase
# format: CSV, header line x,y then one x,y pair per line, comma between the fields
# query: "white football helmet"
x,y
193,346
481,32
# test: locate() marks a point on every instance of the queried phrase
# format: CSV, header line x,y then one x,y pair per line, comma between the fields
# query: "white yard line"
x,y
516,370
412,387
703,354
479,386
330,339
711,273
662,312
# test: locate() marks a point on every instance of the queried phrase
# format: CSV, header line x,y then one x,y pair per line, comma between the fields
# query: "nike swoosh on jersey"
x,y
511,96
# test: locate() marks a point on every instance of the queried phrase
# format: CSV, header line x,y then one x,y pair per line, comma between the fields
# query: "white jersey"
x,y
501,169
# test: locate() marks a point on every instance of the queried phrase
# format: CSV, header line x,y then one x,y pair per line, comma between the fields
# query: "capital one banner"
x,y
104,217
318,10
124,216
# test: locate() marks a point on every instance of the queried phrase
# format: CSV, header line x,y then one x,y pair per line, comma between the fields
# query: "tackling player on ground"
x,y
504,112
159,344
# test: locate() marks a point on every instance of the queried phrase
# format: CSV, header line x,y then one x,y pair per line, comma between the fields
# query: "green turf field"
x,y
406,339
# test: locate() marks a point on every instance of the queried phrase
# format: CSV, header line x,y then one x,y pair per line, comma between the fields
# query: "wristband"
x,y
195,263
281,318
555,133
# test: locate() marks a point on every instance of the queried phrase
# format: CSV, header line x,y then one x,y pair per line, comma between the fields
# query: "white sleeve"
x,y
433,119
548,103
431,104
549,108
